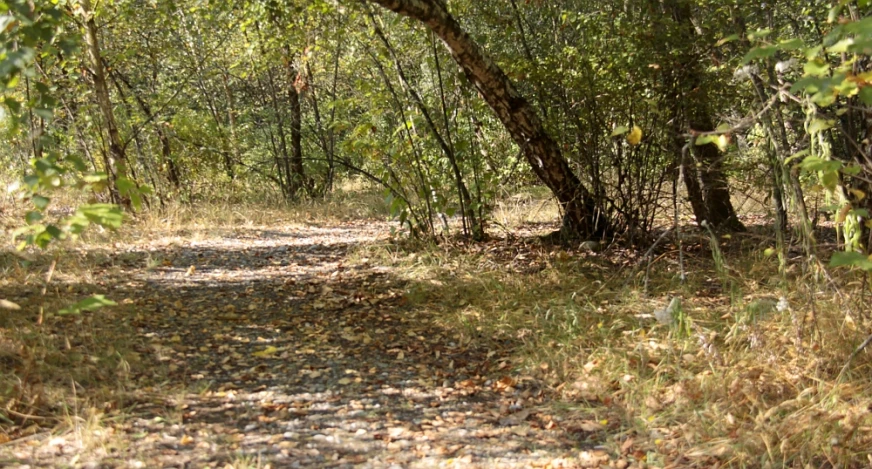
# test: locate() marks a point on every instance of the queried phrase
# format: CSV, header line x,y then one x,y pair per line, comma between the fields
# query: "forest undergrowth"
x,y
742,364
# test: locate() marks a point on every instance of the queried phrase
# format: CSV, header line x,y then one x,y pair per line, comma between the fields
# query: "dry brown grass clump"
x,y
731,378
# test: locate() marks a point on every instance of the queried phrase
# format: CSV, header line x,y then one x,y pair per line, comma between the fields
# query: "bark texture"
x,y
298,173
582,214
715,206
116,160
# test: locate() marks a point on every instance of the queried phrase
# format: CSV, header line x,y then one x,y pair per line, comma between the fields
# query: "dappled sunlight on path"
x,y
283,351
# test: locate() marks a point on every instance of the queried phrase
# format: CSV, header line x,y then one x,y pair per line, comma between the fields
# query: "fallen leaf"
x,y
591,426
267,352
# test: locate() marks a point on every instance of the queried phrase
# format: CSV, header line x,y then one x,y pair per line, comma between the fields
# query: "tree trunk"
x,y
298,174
691,180
582,214
231,119
715,189
115,160
719,211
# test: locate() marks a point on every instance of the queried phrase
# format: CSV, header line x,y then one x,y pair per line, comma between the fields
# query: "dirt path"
x,y
303,358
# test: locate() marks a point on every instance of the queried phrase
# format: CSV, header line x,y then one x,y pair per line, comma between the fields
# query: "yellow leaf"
x,y
344,381
722,142
860,195
635,136
267,352
843,213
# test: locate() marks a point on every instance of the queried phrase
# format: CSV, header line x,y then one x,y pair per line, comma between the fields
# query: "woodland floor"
x,y
272,347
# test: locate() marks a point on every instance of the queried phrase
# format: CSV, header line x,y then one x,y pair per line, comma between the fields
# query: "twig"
x,y
676,226
35,436
48,277
24,416
742,124
854,355
650,261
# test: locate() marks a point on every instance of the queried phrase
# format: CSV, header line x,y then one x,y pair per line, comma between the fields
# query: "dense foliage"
x,y
625,111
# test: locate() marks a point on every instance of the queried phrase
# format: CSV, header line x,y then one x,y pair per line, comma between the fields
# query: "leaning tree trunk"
x,y
116,160
582,212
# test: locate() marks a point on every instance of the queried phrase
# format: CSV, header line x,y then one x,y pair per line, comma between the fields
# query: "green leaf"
x,y
816,68
54,232
125,185
819,125
107,215
816,163
730,38
807,85
842,46
791,44
88,304
830,180
32,217
46,114
620,130
852,169
834,13
95,177
13,81
862,27
759,34
851,259
706,139
761,52
40,201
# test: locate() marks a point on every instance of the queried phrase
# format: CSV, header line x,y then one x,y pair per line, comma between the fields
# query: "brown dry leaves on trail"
x,y
270,347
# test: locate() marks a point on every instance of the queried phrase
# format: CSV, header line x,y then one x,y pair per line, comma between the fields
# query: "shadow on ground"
x,y
271,347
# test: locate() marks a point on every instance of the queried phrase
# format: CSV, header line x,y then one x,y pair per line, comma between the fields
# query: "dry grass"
x,y
731,381
65,372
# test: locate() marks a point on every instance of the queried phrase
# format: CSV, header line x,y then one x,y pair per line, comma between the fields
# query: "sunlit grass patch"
x,y
745,372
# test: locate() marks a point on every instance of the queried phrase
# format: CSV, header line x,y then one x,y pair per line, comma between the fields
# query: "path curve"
x,y
292,355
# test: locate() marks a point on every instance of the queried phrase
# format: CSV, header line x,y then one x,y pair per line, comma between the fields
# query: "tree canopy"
x,y
615,108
